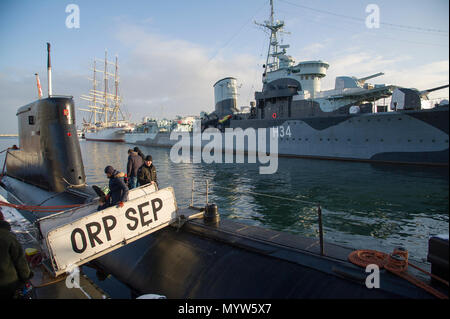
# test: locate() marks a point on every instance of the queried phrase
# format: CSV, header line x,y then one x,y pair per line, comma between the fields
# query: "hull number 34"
x,y
282,131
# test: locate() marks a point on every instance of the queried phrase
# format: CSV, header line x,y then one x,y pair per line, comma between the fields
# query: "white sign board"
x,y
101,232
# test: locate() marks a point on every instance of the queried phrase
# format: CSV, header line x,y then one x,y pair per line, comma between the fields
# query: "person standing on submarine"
x,y
135,162
118,190
147,172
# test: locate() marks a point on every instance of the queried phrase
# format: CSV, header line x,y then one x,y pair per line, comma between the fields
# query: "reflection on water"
x,y
363,205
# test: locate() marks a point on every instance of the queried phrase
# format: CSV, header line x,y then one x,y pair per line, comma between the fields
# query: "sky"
x,y
172,52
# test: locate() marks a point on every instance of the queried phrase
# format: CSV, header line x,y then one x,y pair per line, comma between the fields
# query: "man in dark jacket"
x,y
134,163
14,269
118,190
147,173
137,150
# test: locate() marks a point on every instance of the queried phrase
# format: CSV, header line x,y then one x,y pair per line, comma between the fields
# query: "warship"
x,y
350,122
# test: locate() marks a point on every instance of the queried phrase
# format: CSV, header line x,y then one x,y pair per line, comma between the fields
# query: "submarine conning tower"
x,y
49,154
225,96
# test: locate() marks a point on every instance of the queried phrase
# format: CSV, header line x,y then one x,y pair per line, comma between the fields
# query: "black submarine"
x,y
206,257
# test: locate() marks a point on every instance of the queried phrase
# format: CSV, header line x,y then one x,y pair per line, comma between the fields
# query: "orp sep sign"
x,y
90,235
101,232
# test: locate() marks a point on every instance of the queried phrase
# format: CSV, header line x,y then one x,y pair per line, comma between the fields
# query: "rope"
x,y
42,209
4,163
73,185
396,263
272,196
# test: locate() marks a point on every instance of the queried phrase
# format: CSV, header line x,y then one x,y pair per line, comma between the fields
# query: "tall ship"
x,y
106,120
350,122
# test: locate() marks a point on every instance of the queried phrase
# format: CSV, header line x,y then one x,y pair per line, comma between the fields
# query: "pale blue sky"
x,y
172,52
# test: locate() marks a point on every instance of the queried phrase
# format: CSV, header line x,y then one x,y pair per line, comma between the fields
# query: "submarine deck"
x,y
232,260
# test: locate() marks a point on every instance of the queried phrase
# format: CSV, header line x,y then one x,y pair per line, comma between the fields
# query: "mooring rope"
x,y
396,263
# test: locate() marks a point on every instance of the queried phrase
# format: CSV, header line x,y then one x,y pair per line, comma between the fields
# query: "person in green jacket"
x,y
14,269
147,172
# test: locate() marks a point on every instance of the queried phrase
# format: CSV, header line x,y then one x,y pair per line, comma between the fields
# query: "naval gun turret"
x,y
348,82
410,99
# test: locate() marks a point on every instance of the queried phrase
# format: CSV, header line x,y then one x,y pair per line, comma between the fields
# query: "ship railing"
x,y
203,187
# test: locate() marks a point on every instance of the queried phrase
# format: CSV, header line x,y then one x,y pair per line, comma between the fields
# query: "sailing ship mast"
x,y
101,100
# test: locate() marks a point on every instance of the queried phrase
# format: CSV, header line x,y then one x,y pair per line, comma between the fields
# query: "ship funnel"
x,y
225,96
49,71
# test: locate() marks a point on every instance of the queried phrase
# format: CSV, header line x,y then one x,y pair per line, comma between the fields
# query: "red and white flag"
x,y
38,86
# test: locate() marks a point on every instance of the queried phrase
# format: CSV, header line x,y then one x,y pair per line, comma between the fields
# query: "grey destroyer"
x,y
351,122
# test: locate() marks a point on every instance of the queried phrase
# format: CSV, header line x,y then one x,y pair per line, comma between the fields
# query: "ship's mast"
x,y
116,97
105,107
94,98
272,62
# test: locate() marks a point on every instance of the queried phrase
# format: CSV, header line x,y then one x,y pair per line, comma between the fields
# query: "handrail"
x,y
319,209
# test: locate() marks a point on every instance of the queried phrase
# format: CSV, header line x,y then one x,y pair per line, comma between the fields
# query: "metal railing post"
x,y
319,212
207,189
192,194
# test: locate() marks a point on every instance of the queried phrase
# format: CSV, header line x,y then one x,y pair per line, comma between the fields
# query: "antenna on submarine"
x,y
49,71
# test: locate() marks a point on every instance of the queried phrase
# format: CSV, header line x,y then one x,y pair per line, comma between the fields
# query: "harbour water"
x,y
364,205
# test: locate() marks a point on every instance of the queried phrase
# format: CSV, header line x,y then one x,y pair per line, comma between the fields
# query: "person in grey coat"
x,y
134,163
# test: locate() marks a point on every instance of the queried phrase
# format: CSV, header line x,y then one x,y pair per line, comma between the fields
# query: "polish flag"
x,y
38,85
